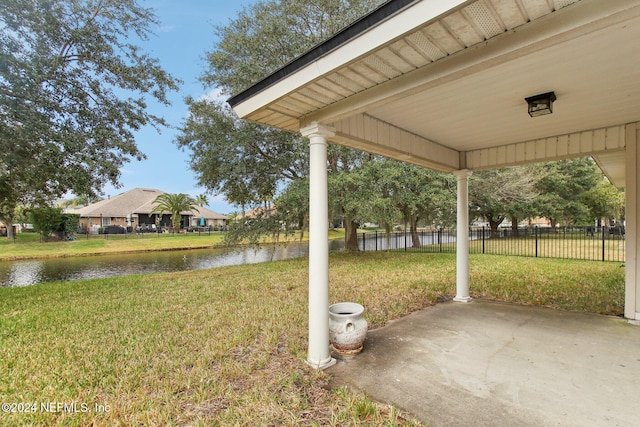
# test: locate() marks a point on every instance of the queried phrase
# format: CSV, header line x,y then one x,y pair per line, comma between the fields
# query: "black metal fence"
x,y
588,243
124,234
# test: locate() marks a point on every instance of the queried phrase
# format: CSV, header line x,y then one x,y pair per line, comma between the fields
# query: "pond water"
x,y
32,272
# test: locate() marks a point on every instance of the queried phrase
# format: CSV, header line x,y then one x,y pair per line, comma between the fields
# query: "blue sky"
x,y
185,34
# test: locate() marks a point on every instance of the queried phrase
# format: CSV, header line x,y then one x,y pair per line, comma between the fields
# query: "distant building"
x,y
132,210
257,212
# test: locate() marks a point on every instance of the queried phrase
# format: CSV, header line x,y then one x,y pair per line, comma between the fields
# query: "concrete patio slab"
x,y
492,364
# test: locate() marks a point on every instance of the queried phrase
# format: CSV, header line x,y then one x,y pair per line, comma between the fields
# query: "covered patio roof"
x,y
442,83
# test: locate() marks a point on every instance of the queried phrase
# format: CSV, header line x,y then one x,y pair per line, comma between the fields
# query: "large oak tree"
x,y
498,194
563,186
74,88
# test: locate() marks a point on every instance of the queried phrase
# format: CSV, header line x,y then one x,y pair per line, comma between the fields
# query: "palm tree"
x,y
201,200
174,204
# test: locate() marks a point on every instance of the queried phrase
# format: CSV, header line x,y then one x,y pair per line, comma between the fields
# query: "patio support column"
x,y
462,237
319,355
632,231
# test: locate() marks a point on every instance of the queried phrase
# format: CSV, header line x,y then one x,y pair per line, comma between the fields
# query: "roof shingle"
x,y
136,201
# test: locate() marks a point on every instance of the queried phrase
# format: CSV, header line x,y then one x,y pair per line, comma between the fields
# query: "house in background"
x,y
131,210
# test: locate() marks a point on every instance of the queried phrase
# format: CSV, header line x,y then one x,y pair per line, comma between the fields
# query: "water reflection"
x,y
25,273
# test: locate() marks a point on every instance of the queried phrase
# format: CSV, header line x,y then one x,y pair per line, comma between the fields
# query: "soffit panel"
x,y
458,25
444,39
366,73
340,85
613,165
409,54
536,9
509,12
429,50
456,30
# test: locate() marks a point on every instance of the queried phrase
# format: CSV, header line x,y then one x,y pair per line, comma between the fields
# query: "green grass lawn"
x,y
227,346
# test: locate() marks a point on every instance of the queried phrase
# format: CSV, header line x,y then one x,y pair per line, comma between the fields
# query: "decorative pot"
x,y
347,327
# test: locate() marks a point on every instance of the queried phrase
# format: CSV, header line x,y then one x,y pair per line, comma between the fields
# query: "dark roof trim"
x,y
360,26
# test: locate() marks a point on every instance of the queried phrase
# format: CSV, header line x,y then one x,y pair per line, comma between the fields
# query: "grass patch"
x,y
589,286
227,346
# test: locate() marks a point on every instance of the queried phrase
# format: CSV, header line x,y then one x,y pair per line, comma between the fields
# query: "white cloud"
x,y
214,95
166,28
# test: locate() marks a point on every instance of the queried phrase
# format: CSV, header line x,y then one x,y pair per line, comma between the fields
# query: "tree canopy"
x,y
498,194
246,162
48,220
268,34
567,192
73,90
562,187
418,194
604,201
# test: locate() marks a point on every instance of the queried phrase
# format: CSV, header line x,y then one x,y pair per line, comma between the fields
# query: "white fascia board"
x,y
405,21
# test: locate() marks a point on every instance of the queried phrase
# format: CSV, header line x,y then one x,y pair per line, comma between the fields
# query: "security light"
x,y
542,104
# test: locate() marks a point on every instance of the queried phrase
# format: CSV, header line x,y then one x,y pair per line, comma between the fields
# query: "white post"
x,y
462,238
632,231
319,355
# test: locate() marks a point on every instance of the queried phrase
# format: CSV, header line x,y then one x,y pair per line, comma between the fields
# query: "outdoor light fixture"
x,y
542,104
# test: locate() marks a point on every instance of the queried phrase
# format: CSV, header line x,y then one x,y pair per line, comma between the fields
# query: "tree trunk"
x,y
494,228
350,235
514,226
387,232
415,239
176,222
8,222
303,226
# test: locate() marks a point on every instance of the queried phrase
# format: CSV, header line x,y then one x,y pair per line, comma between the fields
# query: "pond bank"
x,y
26,248
90,254
70,268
